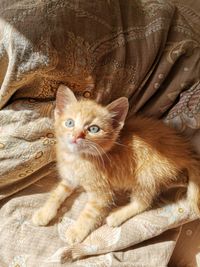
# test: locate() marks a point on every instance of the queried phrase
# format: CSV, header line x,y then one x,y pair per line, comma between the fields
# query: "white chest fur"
x,y
73,169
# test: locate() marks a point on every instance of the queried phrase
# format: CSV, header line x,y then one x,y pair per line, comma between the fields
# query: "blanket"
x,y
147,50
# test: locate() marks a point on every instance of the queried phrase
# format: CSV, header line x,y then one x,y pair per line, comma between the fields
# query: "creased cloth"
x,y
147,50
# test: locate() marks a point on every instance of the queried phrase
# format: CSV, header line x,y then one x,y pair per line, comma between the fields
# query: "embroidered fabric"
x,y
147,50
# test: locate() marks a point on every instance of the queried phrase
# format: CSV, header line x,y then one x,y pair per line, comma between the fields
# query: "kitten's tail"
x,y
193,191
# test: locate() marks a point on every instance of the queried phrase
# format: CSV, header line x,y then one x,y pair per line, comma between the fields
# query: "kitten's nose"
x,y
78,136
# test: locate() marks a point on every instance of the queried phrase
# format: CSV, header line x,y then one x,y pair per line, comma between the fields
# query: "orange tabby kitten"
x,y
96,152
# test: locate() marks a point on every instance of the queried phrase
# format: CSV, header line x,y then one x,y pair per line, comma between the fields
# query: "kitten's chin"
x,y
88,149
81,150
74,148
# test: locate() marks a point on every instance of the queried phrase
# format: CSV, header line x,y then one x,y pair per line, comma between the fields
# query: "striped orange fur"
x,y
97,151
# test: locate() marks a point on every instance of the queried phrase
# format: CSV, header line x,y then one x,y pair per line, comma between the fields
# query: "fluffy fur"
x,y
141,158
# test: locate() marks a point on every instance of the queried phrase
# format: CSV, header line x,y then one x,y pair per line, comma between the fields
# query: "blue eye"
x,y
69,123
94,129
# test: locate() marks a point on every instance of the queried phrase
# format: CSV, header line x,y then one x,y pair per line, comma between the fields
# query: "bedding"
x,y
147,50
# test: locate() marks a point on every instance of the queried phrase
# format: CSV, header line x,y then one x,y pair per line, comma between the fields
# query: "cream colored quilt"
x,y
147,50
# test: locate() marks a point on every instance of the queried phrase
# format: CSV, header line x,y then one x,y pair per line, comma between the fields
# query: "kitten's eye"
x,y
69,123
94,129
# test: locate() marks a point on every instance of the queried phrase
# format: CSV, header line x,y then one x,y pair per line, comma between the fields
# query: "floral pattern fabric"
x,y
147,50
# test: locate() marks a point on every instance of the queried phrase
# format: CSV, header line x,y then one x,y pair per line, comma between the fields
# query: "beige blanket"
x,y
147,50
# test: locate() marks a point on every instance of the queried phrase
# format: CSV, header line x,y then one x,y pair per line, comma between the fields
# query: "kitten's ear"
x,y
64,97
119,110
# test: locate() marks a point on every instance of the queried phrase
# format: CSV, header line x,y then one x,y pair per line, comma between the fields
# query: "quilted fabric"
x,y
147,50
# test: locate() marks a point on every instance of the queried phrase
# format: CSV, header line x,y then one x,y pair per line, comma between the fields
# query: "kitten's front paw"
x,y
42,217
75,235
114,219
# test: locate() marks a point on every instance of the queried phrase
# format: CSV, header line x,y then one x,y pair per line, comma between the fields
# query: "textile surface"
x,y
147,50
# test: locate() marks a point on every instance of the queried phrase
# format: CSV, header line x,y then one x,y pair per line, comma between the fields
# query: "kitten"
x,y
97,151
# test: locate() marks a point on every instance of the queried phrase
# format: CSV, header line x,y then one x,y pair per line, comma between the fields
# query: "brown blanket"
x,y
147,50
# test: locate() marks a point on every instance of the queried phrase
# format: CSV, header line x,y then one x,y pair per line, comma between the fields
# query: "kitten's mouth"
x,y
74,147
77,147
81,147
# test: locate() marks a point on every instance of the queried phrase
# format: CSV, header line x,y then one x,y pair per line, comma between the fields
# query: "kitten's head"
x,y
85,126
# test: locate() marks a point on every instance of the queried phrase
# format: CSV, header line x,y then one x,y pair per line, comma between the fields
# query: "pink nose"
x,y
78,136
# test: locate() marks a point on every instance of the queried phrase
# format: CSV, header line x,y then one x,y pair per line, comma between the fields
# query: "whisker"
x,y
119,144
104,152
99,156
115,142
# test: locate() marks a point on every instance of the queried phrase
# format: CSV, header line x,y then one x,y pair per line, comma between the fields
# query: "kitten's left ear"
x,y
119,109
64,97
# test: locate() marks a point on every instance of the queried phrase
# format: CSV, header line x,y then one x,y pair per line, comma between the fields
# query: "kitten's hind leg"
x,y
49,210
117,217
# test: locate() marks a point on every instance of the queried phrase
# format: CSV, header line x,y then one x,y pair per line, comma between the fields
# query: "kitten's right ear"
x,y
64,97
